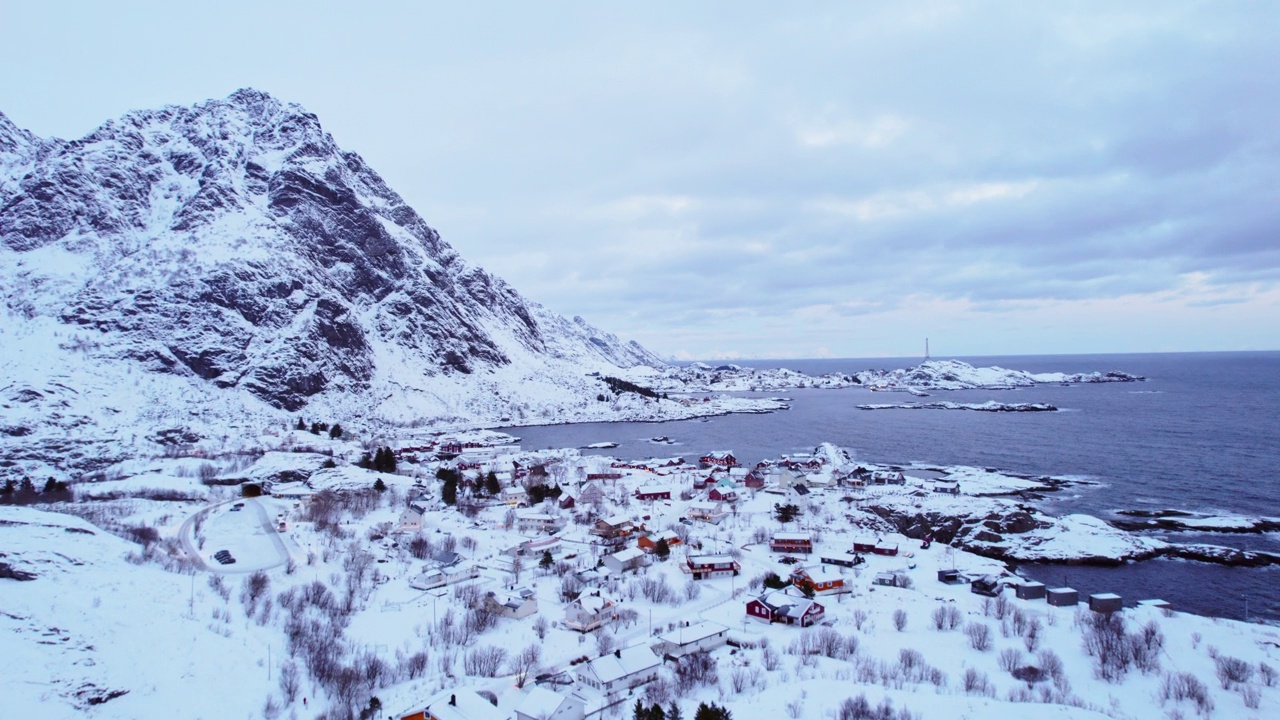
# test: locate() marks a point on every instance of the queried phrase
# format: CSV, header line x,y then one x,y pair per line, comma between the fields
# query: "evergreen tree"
x,y
640,712
335,432
786,513
9,488
390,461
711,711
379,485
662,549
302,424
773,582
449,493
547,561
673,711
316,427
491,484
366,462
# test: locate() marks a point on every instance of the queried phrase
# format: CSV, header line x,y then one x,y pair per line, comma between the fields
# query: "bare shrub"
x,y
1232,671
525,662
695,669
859,618
219,586
1001,606
1050,663
1031,638
977,683
771,659
484,661
1106,642
1009,659
289,683
900,619
604,643
1145,646
979,636
540,627
946,617
1251,695
1268,674
1185,686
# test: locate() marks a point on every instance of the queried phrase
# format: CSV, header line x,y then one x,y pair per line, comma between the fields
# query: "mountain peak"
x,y
233,245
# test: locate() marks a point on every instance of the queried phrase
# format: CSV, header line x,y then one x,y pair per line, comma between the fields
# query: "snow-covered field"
x,y
324,609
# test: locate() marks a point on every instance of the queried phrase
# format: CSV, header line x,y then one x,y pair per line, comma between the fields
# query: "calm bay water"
x,y
1201,434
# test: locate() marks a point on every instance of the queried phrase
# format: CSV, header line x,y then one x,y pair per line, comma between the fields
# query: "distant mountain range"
x,y
207,268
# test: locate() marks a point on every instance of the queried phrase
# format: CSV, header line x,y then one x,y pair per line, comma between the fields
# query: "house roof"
x,y
616,520
622,663
820,574
469,706
710,559
694,633
793,536
628,555
541,702
593,601
788,605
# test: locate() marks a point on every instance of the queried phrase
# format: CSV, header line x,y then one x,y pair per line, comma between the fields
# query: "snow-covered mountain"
x,y
225,263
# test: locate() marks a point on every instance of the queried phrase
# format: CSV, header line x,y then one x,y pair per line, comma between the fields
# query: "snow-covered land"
x,y
356,589
928,375
988,406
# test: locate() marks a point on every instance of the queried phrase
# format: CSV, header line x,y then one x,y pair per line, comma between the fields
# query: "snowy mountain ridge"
x,y
229,263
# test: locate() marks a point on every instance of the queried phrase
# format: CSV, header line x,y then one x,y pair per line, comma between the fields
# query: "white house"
x,y
515,496
543,704
702,636
628,560
591,610
620,671
537,522
410,520
515,604
706,511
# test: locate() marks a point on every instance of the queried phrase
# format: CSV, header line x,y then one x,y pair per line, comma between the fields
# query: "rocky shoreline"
x,y
989,406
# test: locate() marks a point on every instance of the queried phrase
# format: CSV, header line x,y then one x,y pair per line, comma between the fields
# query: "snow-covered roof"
x,y
710,559
466,705
694,633
793,536
593,601
616,520
820,573
540,702
622,663
708,505
628,555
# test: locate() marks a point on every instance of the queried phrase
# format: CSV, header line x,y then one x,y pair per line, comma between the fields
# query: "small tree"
x,y
711,711
786,513
772,581
335,432
661,549
491,484
547,561
302,424
379,485
449,493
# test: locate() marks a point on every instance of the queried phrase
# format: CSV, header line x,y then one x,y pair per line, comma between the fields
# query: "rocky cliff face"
x,y
233,244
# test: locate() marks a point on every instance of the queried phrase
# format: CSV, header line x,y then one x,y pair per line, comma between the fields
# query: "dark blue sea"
x,y
1201,434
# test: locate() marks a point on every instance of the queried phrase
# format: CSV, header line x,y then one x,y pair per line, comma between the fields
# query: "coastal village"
x,y
458,576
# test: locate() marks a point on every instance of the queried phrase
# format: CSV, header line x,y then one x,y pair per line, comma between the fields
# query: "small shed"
x,y
1062,597
1105,602
950,577
1030,590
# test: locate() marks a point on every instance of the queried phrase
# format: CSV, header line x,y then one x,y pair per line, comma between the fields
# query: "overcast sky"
x,y
746,180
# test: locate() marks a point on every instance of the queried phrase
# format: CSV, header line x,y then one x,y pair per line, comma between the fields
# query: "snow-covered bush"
x,y
1106,642
695,669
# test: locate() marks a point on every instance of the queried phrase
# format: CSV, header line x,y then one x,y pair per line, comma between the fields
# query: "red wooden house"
x,y
778,607
797,542
817,579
